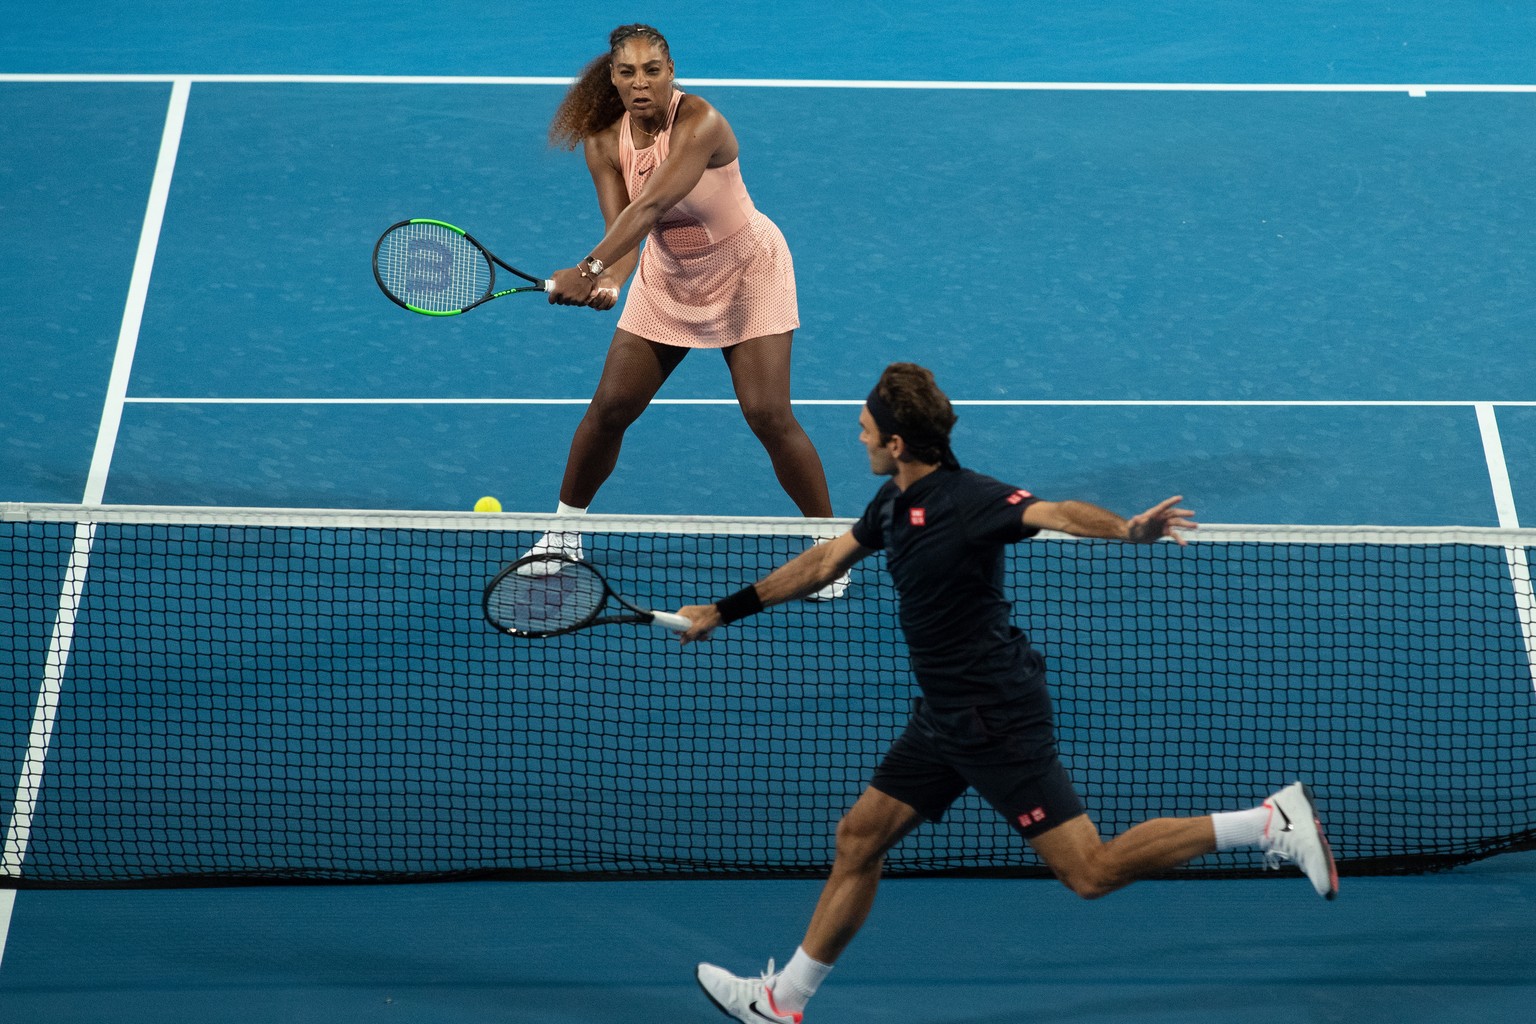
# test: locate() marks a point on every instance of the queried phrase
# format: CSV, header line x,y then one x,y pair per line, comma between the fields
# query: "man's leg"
x,y
1285,826
866,834
1092,868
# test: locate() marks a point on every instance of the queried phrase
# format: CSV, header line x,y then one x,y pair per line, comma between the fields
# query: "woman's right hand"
x,y
571,288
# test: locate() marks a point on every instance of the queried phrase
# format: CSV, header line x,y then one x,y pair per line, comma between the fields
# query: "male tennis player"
x,y
984,720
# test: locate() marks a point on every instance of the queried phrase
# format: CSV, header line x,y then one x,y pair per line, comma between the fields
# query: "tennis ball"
x,y
487,504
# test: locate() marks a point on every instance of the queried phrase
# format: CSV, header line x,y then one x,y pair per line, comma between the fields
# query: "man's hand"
x,y
705,618
1159,521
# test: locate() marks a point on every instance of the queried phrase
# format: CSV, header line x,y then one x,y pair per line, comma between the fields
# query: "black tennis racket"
x,y
436,269
549,594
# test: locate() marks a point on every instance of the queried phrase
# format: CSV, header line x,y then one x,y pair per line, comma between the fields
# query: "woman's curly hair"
x,y
592,103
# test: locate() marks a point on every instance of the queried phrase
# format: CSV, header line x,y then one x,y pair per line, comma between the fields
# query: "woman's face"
x,y
642,72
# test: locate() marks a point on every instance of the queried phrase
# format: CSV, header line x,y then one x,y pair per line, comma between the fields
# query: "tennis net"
x,y
210,696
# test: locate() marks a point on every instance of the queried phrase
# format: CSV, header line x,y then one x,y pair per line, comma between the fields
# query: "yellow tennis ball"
x,y
487,504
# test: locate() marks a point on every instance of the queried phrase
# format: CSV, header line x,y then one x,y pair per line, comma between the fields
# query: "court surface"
x,y
1278,261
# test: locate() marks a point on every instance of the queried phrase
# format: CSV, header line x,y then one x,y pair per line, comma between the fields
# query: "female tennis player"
x,y
985,719
714,272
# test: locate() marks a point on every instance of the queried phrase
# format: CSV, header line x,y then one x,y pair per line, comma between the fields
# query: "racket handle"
x,y
549,284
676,623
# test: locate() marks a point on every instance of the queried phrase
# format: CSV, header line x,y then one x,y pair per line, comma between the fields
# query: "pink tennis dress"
x,y
713,271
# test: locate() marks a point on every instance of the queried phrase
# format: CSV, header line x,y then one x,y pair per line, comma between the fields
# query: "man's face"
x,y
881,460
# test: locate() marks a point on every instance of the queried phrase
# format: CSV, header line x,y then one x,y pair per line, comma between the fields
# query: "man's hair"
x,y
923,414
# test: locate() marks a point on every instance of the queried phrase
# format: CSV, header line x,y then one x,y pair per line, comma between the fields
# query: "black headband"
x,y
885,421
881,412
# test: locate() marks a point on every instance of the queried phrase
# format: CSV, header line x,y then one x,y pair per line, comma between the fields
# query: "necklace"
x,y
665,116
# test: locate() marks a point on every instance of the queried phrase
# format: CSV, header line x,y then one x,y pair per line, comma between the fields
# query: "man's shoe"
x,y
746,999
1294,833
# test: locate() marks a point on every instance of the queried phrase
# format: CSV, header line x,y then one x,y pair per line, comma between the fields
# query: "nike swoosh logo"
x,y
1281,811
753,1007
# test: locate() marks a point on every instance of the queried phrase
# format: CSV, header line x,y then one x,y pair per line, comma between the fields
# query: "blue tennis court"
x,y
1278,261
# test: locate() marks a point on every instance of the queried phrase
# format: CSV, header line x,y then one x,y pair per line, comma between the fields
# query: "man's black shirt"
x,y
944,539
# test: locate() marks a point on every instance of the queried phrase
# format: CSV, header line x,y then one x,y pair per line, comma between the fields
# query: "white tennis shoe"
x,y
555,542
746,999
1293,833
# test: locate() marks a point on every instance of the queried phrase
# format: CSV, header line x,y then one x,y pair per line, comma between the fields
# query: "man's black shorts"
x,y
1007,753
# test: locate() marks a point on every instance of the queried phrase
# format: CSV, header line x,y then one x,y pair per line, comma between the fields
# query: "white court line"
x,y
1504,502
972,402
18,833
138,292
7,904
1498,470
29,783
1410,88
30,780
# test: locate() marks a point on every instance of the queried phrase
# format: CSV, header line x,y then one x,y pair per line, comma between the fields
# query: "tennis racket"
x,y
436,269
549,594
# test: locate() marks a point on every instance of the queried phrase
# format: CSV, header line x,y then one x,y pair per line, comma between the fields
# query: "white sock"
x,y
799,980
1236,829
562,509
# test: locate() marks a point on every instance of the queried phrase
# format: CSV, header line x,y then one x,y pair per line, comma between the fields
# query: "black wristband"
x,y
739,605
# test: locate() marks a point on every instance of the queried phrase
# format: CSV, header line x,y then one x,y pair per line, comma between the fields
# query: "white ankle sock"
x,y
1236,829
562,509
799,980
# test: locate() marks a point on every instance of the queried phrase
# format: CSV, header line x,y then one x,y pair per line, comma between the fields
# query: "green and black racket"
x,y
436,269
548,594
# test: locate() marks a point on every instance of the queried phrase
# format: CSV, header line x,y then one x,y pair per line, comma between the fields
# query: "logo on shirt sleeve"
x,y
917,517
1019,495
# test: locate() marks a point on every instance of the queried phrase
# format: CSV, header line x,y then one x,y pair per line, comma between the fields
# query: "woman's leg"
x,y
632,374
760,374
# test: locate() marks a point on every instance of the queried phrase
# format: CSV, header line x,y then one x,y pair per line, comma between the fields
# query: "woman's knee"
x,y
614,411
770,421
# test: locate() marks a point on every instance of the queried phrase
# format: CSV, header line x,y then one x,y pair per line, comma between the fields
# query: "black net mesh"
x,y
227,696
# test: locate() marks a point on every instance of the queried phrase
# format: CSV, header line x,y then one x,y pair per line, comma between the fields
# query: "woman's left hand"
x,y
604,296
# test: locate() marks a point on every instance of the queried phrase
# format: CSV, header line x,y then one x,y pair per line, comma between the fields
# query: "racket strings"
x,y
546,603
433,267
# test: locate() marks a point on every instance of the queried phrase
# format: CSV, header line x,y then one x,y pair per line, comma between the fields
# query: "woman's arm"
x,y
700,135
602,153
